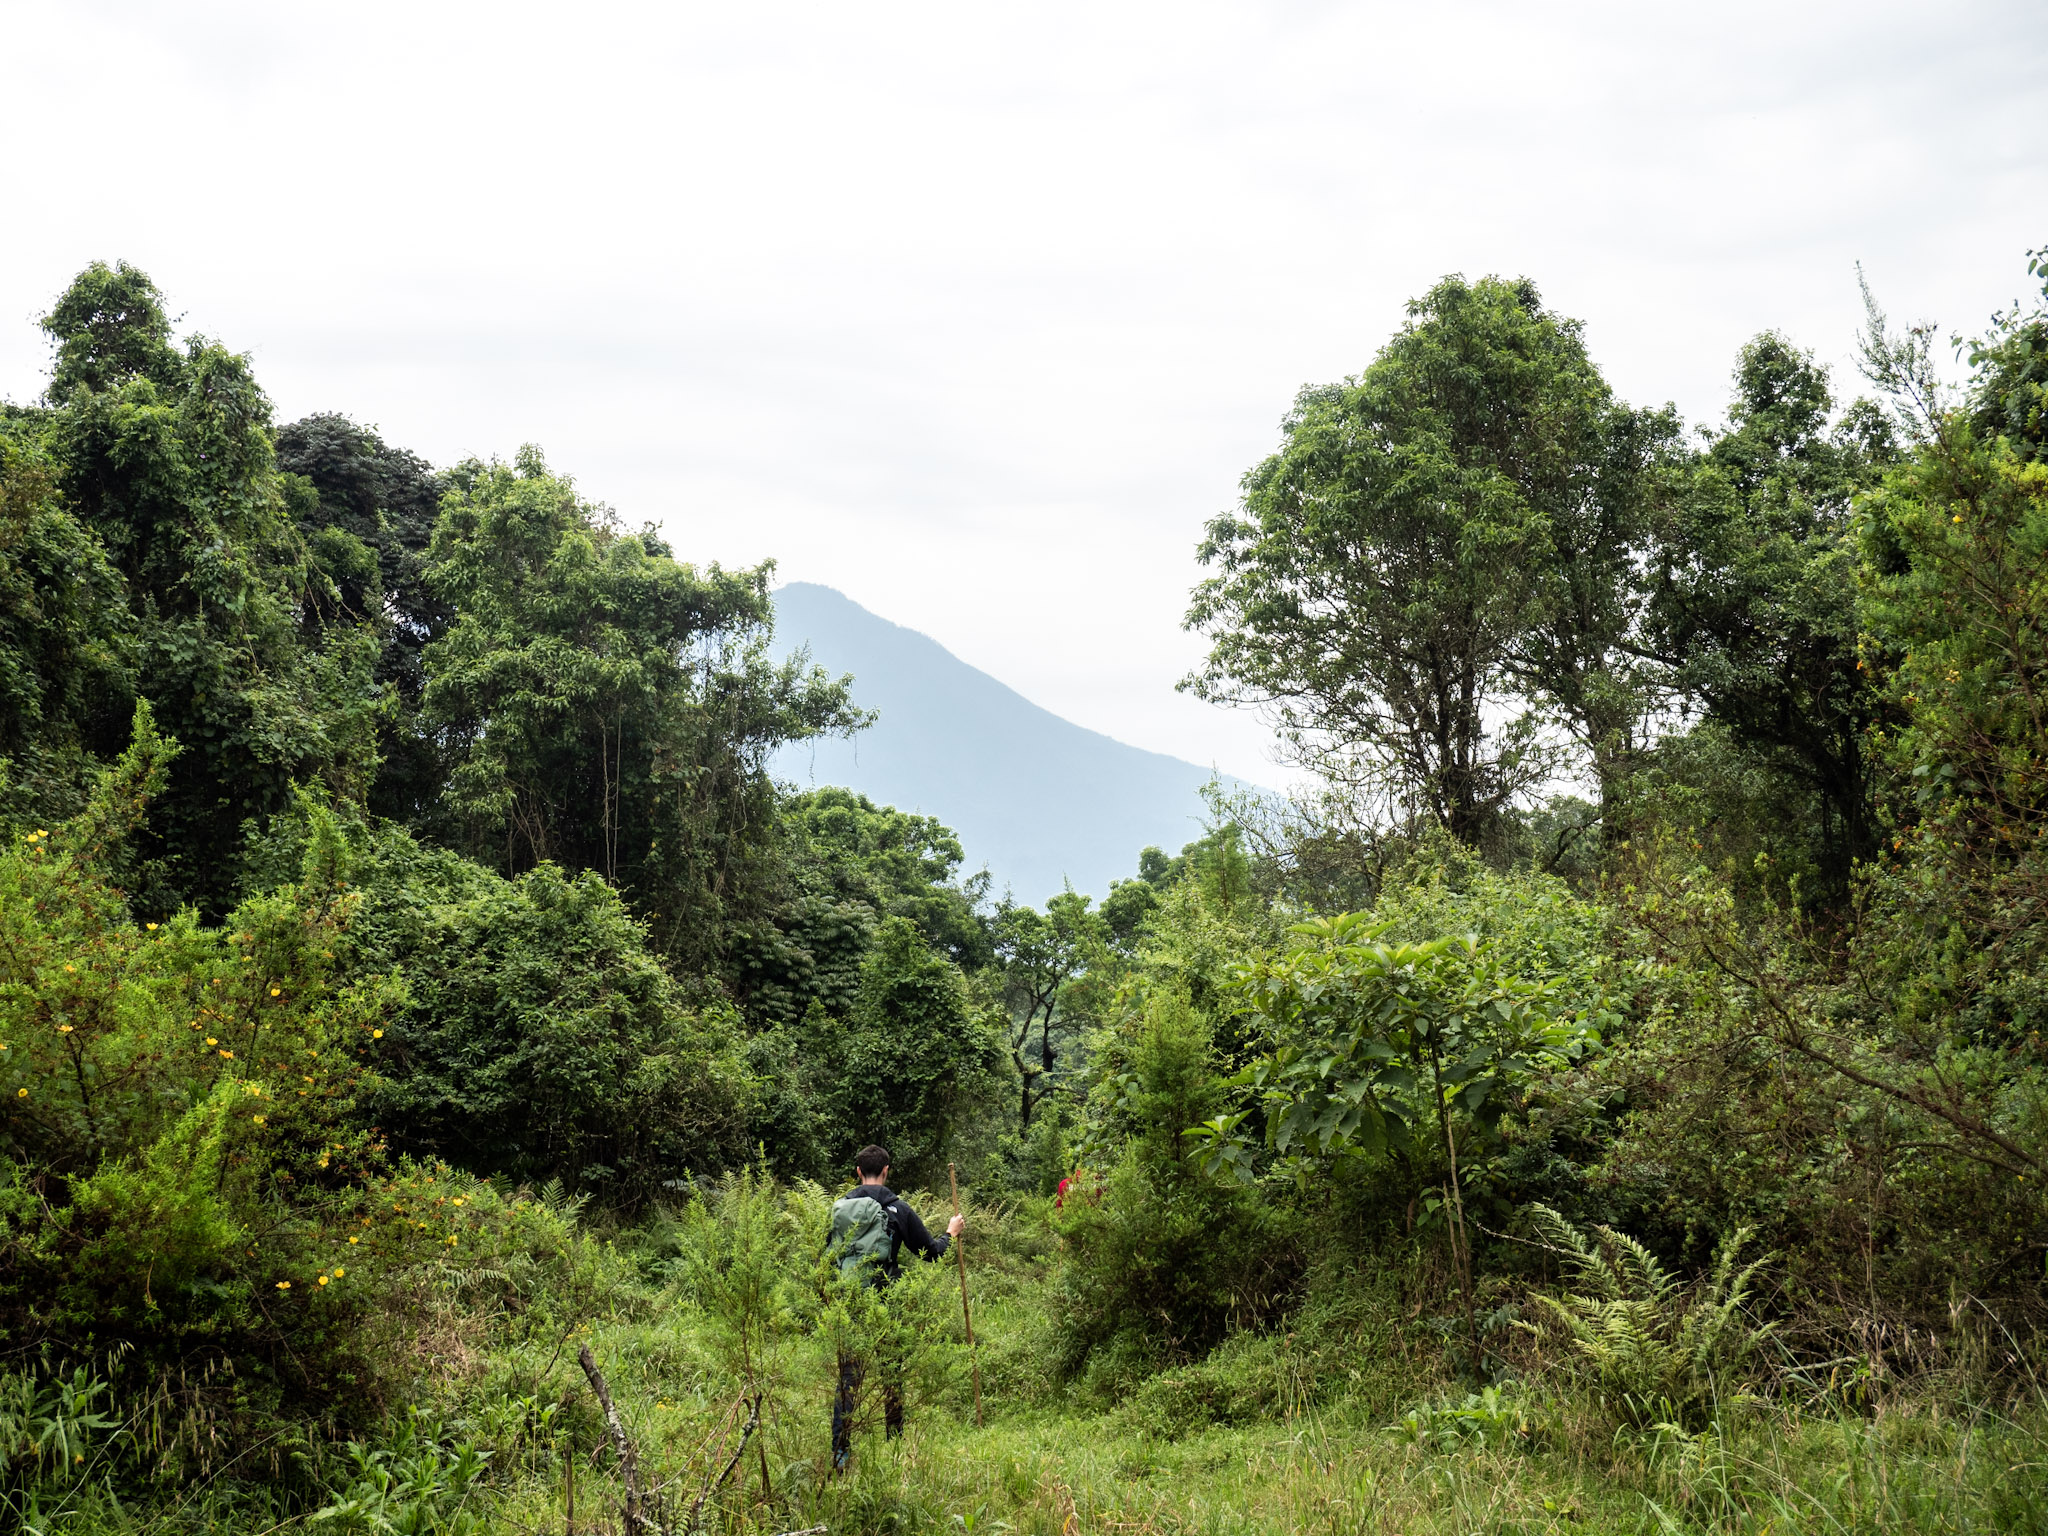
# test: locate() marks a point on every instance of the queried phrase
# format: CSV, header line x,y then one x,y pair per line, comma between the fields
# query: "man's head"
x,y
872,1164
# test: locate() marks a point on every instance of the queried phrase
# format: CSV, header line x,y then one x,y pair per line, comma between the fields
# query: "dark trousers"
x,y
852,1372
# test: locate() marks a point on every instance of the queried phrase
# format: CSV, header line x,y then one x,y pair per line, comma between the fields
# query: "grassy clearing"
x,y
1339,1469
1339,1472
1342,1424
1339,1426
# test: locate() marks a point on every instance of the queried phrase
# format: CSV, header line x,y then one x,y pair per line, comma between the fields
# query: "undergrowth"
x,y
716,1332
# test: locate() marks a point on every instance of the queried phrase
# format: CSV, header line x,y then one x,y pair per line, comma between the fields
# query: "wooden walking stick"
x,y
966,1315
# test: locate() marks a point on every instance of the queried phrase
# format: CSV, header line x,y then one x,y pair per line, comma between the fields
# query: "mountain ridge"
x,y
1037,799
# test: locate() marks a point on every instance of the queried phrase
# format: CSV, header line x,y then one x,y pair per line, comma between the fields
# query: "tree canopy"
x,y
1441,541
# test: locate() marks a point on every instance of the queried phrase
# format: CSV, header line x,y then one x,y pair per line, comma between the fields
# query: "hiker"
x,y
870,1230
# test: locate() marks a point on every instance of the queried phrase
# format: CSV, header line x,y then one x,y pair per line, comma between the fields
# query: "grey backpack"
x,y
863,1238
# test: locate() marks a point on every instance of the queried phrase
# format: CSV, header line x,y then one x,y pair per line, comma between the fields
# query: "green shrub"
x,y
1162,1259
189,1201
540,1036
1247,1378
1492,1416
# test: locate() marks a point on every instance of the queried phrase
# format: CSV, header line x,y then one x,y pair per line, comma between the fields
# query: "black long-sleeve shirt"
x,y
911,1233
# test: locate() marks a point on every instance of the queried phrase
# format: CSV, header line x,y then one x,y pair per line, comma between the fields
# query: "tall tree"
x,y
1041,953
65,636
899,864
166,455
367,511
2009,389
1955,616
1753,584
849,864
1438,542
609,708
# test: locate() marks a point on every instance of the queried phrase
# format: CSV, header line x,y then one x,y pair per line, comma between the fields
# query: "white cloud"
x,y
978,313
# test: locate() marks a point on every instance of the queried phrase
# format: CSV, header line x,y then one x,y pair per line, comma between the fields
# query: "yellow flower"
x,y
21,1093
257,1118
63,1029
1957,518
230,1055
150,926
323,1279
41,833
70,967
339,1271
284,1285
355,1239
276,992
376,1034
459,1200
211,1041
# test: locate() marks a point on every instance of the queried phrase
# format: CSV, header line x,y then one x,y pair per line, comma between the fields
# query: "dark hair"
x,y
871,1162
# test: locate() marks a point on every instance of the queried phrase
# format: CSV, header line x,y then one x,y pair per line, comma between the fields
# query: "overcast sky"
x,y
977,312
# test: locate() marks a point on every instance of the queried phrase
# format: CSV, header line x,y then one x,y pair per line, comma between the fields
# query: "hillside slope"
x,y
1036,798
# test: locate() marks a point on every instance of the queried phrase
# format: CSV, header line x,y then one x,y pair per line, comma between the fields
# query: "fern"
x,y
1659,1350
560,1202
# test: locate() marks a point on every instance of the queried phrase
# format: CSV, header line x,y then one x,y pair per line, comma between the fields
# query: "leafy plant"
x,y
1373,1037
1491,1416
49,1422
1659,1349
423,1482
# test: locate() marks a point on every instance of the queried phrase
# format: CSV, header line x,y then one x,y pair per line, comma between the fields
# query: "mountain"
x,y
1036,798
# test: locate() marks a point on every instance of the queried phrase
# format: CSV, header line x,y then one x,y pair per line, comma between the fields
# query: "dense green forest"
x,y
1612,1097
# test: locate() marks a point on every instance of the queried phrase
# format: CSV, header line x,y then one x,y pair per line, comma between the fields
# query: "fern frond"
x,y
1649,1340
